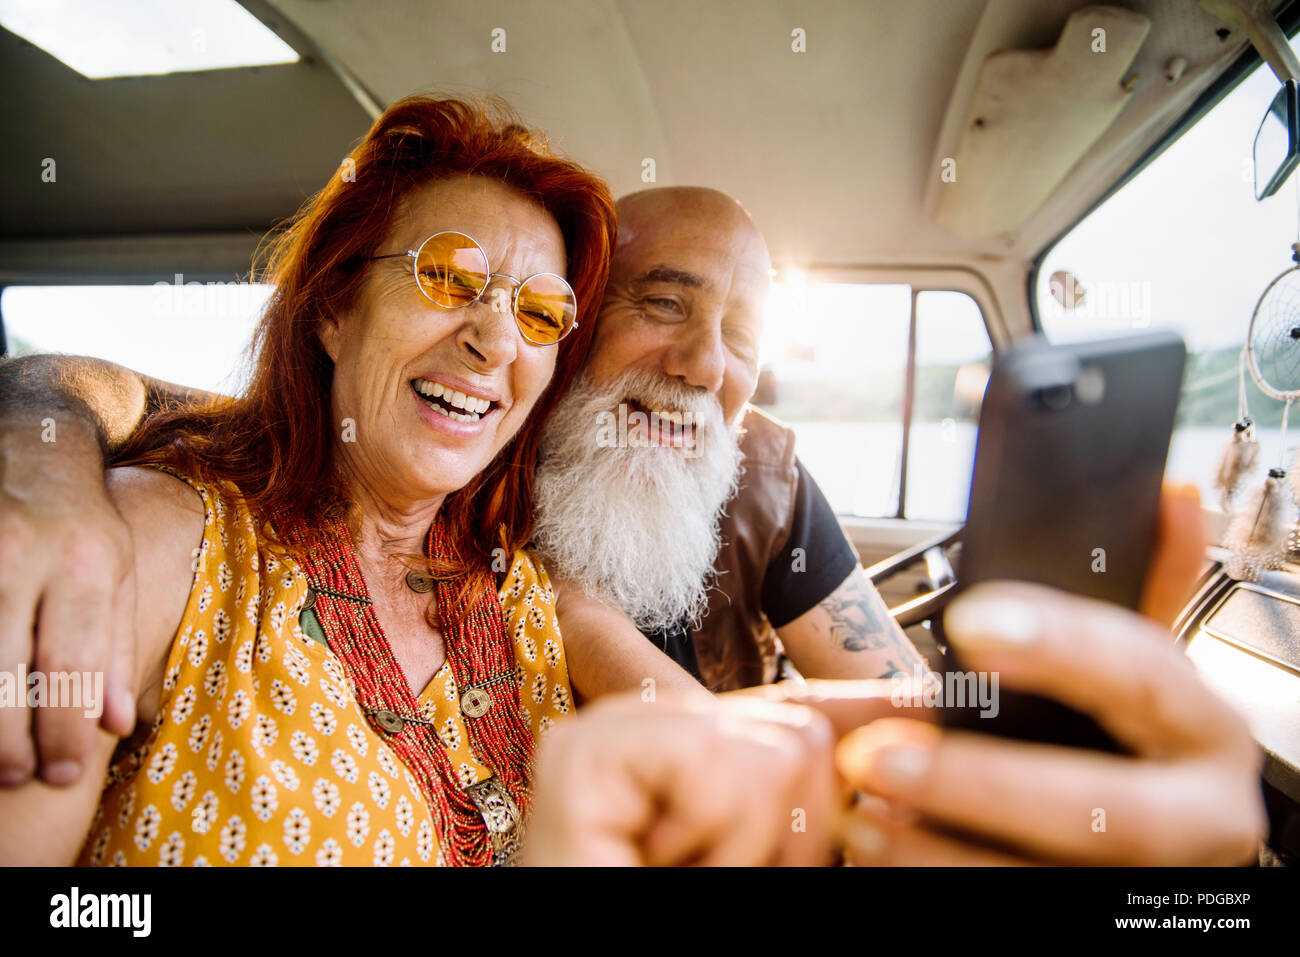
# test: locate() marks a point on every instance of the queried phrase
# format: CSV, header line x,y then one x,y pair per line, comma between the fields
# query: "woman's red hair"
x,y
275,443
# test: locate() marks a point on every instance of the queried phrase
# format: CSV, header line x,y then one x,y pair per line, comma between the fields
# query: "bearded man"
x,y
697,521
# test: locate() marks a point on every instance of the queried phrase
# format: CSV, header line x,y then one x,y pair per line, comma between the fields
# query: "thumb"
x,y
1179,554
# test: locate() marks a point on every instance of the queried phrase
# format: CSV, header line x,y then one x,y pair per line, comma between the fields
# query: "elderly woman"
x,y
345,649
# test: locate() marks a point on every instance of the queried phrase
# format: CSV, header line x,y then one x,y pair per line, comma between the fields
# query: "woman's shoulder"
x,y
159,508
171,509
186,533
526,579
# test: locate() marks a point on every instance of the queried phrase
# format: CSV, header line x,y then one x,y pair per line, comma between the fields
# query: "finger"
x,y
727,820
73,631
18,600
846,704
804,813
598,822
871,843
1101,659
754,834
1058,803
1179,555
682,835
120,691
774,804
809,828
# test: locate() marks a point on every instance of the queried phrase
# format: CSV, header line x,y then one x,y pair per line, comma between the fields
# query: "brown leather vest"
x,y
736,645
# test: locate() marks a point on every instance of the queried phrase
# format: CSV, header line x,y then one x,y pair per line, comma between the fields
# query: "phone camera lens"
x,y
1054,398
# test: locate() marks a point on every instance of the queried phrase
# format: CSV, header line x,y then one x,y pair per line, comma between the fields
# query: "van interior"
x,y
935,181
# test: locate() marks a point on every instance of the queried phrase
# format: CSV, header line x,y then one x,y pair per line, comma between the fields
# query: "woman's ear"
x,y
329,333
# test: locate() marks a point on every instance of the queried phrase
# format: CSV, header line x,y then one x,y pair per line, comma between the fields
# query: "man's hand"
x,y
745,780
65,599
1188,795
65,595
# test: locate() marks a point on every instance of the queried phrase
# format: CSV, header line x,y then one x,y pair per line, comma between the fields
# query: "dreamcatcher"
x,y
1263,533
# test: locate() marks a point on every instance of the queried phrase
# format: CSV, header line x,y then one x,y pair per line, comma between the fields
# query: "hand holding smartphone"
x,y
1065,492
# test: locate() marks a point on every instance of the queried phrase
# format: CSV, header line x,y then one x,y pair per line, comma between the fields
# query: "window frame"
x,y
1234,75
919,279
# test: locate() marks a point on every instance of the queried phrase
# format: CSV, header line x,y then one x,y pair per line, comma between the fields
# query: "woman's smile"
x,y
453,410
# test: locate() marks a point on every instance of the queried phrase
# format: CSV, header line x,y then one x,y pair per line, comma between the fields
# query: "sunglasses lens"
x,y
451,269
547,309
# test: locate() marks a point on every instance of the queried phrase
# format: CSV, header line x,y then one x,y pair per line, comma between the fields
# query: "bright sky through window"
x,y
145,37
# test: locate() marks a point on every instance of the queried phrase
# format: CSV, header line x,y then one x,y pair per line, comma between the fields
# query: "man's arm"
x,y
830,618
65,555
607,655
42,824
850,634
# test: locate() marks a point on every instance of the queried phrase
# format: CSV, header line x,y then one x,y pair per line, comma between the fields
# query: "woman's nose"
x,y
492,332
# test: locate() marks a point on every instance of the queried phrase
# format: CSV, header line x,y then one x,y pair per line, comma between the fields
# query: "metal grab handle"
x,y
889,567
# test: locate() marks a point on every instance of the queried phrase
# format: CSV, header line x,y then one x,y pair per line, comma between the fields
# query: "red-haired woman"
x,y
347,652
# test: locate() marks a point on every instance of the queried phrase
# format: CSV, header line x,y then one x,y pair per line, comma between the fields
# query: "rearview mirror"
x,y
1277,144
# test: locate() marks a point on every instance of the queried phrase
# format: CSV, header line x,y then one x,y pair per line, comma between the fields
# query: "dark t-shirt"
x,y
814,562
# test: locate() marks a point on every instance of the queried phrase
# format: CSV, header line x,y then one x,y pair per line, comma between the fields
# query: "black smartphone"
x,y
1065,492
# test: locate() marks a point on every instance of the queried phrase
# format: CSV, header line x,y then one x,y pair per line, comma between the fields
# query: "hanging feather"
x,y
1293,543
1238,459
1293,539
1257,535
1295,477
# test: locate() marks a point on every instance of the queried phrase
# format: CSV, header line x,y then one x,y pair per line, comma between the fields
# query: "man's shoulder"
x,y
765,493
766,441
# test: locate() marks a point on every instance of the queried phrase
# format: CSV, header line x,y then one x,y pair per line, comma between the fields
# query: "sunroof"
x,y
145,37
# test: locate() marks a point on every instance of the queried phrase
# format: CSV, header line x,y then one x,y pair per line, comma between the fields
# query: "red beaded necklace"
x,y
476,823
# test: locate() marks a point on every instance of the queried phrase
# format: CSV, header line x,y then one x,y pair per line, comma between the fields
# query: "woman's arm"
x,y
607,654
44,824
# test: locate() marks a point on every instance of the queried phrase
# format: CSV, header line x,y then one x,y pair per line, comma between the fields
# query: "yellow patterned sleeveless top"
x,y
259,753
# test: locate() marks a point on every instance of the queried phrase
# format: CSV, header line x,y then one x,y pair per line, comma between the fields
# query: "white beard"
x,y
635,526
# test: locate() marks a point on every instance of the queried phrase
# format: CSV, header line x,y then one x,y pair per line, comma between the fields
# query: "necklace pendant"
x,y
475,703
420,584
390,721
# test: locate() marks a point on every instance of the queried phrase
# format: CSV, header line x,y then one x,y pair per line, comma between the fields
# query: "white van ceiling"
x,y
836,151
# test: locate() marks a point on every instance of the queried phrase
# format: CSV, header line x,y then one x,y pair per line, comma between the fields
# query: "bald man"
x,y
699,504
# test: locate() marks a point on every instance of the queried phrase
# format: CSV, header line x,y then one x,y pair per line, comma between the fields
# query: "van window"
x,y
835,369
1184,245
193,334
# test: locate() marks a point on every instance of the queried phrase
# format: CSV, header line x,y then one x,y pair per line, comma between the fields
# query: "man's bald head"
x,y
686,211
687,290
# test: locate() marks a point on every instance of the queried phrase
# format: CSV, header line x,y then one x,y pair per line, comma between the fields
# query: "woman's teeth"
x,y
451,402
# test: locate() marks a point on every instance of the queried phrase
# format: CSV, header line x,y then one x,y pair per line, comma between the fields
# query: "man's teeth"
x,y
473,407
667,415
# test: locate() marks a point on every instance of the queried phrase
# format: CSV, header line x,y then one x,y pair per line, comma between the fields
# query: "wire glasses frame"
x,y
463,287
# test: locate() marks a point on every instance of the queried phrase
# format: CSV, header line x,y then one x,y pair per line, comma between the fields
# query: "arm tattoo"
x,y
859,621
